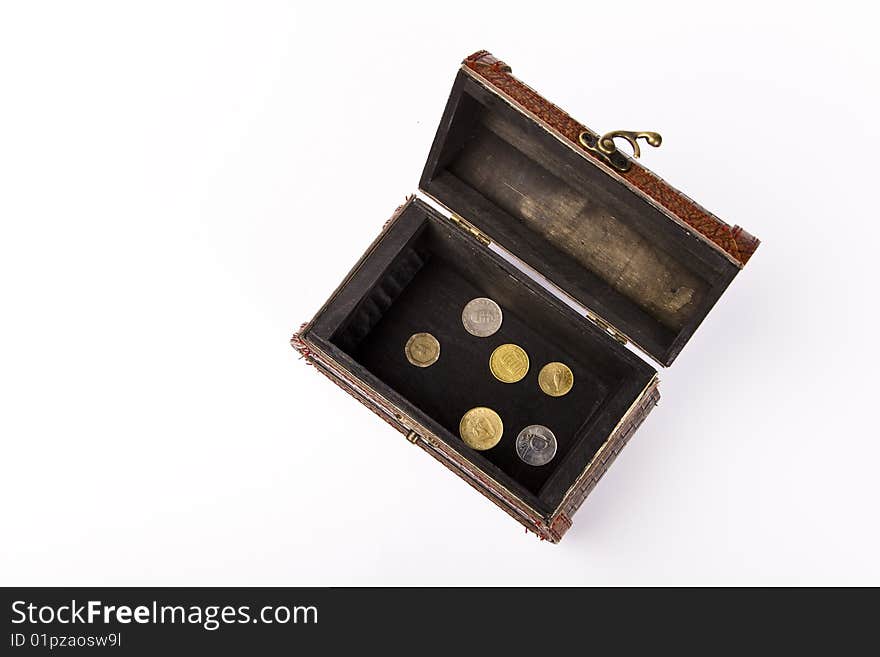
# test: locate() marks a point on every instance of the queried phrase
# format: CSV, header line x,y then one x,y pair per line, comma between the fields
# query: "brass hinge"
x,y
413,437
471,230
605,326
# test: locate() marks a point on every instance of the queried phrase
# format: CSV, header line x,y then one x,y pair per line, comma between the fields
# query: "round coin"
x,y
509,363
555,379
422,349
481,428
536,445
481,317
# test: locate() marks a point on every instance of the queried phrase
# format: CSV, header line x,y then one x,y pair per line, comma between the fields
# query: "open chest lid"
x,y
645,260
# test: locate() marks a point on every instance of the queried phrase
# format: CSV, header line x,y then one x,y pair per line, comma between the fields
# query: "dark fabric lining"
x,y
433,302
375,305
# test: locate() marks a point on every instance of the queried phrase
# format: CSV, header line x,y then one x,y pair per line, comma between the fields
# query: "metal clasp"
x,y
605,147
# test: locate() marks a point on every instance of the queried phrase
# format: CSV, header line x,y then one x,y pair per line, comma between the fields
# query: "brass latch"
x,y
605,147
471,230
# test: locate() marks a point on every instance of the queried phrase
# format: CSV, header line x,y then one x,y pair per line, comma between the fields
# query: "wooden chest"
x,y
593,261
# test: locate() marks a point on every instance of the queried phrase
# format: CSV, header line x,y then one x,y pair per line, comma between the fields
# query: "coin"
x,y
422,349
555,379
536,445
481,428
509,363
481,317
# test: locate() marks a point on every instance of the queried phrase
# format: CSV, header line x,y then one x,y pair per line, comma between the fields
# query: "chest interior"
x,y
418,278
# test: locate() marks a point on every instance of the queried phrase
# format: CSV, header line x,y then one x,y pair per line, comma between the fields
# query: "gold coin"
x,y
509,363
422,349
555,379
481,428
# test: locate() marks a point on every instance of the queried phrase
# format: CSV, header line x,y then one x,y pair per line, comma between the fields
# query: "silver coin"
x,y
536,445
481,317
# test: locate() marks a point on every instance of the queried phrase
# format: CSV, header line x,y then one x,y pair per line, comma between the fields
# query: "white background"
x,y
183,184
